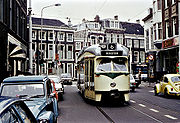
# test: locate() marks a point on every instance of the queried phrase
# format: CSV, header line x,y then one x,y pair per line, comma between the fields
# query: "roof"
x,y
132,28
5,101
171,75
48,22
24,79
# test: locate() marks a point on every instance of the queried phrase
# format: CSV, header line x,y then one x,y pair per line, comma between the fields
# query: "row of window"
x,y
111,24
15,18
51,36
51,52
168,3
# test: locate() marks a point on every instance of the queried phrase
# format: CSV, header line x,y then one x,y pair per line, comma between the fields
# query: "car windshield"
x,y
112,64
175,78
23,90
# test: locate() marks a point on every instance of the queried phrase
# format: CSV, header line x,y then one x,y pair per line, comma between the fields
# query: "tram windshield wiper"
x,y
36,96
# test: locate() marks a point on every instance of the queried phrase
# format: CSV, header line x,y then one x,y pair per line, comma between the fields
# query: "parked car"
x,y
58,85
66,78
132,83
14,110
169,85
37,92
54,89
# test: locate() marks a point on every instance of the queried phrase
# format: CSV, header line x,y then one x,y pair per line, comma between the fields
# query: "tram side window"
x,y
86,71
119,64
92,74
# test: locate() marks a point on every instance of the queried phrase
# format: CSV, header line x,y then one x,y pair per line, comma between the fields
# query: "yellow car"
x,y
169,85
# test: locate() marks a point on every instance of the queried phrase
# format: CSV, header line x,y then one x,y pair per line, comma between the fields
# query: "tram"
x,y
103,72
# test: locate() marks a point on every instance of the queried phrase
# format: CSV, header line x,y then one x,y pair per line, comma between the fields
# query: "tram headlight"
x,y
113,84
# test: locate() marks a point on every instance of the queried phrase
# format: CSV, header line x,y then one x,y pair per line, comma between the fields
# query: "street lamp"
x,y
42,22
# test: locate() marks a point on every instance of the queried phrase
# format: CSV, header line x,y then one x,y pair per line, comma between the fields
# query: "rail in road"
x,y
143,107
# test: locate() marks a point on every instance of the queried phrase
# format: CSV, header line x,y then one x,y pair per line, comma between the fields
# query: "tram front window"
x,y
119,64
115,64
104,65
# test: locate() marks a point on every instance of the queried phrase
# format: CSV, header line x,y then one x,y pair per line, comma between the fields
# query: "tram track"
x,y
105,114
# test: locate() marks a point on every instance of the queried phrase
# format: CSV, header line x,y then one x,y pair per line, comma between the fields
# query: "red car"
x,y
54,89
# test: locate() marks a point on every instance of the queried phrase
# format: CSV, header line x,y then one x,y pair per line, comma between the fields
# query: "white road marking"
x,y
151,91
154,110
142,105
132,101
147,115
171,117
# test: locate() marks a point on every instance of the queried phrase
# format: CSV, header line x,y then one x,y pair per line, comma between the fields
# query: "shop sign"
x,y
170,42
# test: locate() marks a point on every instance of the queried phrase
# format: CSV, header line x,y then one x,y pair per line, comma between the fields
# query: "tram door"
x,y
89,78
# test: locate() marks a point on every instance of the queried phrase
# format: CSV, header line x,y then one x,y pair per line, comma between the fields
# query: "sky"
x,y
76,10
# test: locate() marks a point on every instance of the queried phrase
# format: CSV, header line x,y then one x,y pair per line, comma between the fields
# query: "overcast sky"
x,y
88,9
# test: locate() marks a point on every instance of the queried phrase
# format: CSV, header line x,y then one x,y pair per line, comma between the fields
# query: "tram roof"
x,y
96,50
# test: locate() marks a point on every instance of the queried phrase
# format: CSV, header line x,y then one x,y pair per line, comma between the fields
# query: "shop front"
x,y
168,56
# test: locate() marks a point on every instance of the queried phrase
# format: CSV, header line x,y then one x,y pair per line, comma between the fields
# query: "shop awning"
x,y
18,53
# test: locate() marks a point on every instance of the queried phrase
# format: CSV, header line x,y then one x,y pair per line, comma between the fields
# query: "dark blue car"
x,y
38,95
14,110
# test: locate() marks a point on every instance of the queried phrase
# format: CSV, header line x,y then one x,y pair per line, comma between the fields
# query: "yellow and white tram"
x,y
103,72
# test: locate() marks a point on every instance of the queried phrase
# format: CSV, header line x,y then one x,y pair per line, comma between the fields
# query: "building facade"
x,y
111,30
54,53
13,37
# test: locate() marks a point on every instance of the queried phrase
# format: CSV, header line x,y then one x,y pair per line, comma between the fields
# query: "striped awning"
x,y
18,53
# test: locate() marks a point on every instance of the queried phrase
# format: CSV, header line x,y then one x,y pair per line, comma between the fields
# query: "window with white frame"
x,y
112,24
50,35
173,1
155,35
78,45
70,37
174,26
160,30
70,66
43,35
116,24
165,3
50,51
70,52
61,36
96,25
167,29
61,51
159,4
152,41
76,56
128,42
142,56
136,43
142,44
34,34
62,68
136,56
147,39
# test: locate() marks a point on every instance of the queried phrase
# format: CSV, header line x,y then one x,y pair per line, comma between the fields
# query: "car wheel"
x,y
133,89
155,91
166,93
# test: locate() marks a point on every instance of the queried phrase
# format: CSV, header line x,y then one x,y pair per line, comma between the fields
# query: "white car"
x,y
132,83
58,85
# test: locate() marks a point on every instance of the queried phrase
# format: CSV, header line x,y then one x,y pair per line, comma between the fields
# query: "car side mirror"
x,y
52,95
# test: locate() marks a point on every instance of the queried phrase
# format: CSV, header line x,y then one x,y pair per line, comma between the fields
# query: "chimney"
x,y
138,21
116,17
97,18
150,11
69,22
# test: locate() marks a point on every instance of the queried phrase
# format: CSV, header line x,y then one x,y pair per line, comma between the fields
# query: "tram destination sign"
x,y
111,53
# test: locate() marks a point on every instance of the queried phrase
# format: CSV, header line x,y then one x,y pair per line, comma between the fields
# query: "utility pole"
x,y
30,37
179,30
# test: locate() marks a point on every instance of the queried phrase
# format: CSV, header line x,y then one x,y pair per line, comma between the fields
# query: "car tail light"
x,y
134,83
